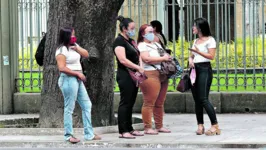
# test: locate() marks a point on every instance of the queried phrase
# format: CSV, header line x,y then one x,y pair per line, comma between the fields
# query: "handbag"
x,y
179,69
184,83
137,77
168,68
169,51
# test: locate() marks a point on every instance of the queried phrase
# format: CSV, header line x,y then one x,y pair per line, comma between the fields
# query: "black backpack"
x,y
39,55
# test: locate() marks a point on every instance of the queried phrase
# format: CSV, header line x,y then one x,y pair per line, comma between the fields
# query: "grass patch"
x,y
29,83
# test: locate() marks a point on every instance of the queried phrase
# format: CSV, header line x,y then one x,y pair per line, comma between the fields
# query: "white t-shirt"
x,y
72,58
152,49
203,47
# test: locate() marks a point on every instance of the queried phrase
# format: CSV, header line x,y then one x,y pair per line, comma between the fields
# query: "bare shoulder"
x,y
156,39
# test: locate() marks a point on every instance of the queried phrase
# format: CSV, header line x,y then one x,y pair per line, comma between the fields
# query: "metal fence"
x,y
237,25
33,16
239,29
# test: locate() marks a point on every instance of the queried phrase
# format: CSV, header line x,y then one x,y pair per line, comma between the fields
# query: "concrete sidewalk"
x,y
238,131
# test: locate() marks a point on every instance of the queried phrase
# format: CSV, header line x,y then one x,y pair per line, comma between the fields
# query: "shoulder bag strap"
x,y
136,50
129,69
153,64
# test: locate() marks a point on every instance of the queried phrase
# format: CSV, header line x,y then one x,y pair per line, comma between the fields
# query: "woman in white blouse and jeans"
x,y
71,84
203,51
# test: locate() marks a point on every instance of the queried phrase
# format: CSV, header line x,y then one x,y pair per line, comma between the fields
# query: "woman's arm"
x,y
145,56
191,63
121,55
61,63
83,52
140,62
210,55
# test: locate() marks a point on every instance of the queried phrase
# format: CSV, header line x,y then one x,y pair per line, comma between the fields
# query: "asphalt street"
x,y
113,149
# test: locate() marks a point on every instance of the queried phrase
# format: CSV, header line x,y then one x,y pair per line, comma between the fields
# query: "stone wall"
x,y
231,102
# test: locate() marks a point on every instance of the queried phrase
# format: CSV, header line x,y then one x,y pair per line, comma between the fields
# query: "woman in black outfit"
x,y
127,56
203,51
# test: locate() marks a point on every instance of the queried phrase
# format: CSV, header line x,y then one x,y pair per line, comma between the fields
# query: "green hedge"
x,y
223,59
26,58
230,58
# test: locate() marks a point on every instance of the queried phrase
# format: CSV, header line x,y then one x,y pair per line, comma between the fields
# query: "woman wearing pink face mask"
x,y
71,84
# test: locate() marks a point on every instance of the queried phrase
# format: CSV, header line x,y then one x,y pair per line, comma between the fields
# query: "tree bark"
x,y
95,26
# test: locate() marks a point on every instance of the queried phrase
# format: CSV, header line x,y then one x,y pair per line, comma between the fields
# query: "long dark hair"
x,y
203,26
159,29
65,36
142,32
124,22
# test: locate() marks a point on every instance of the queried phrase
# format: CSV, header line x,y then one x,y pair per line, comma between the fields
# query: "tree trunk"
x,y
95,26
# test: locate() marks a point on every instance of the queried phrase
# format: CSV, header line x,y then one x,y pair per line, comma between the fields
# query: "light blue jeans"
x,y
72,90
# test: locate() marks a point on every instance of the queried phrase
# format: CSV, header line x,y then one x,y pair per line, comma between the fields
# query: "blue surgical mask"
x,y
131,33
149,36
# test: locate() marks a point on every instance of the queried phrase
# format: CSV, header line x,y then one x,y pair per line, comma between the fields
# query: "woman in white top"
x,y
154,89
71,84
203,51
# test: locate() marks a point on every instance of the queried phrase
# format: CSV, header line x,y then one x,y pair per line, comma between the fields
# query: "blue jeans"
x,y
72,90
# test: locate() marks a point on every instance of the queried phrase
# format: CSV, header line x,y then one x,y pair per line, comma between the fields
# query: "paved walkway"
x,y
238,131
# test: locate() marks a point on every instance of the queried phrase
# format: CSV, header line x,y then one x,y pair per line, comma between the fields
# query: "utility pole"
x,y
8,53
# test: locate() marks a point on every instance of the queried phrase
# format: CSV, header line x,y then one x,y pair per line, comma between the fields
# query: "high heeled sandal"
x,y
200,132
216,132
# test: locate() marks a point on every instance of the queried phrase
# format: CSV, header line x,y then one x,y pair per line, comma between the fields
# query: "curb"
x,y
60,131
124,145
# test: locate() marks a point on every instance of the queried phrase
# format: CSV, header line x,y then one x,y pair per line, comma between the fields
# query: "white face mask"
x,y
149,36
131,33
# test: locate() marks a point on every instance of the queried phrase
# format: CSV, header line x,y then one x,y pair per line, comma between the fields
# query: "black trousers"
x,y
201,90
128,94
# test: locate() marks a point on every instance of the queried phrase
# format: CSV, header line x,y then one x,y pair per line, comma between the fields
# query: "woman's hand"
x,y
209,55
73,47
81,77
167,57
196,50
83,52
140,69
191,63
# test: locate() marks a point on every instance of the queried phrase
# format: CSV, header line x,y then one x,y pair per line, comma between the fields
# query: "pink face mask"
x,y
193,76
73,40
